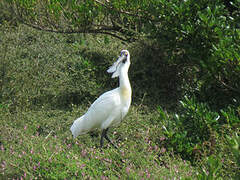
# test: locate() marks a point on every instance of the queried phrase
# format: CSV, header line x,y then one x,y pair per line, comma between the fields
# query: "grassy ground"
x,y
39,144
48,80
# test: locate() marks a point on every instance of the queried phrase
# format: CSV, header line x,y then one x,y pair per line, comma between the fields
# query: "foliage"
x,y
196,132
234,144
212,171
154,80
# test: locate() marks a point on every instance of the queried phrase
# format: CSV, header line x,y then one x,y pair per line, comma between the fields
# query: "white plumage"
x,y
111,107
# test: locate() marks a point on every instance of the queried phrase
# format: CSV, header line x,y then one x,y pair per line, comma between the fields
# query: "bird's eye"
x,y
124,53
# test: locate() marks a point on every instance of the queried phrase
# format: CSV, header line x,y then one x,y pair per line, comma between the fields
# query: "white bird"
x,y
111,107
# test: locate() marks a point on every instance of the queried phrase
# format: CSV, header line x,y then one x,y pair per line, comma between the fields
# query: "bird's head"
x,y
123,61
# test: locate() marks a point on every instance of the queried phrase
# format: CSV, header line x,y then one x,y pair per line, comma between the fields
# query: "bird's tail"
x,y
76,127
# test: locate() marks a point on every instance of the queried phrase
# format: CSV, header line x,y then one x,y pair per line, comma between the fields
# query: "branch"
x,y
92,31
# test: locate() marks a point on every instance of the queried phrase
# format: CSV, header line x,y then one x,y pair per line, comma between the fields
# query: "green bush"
x,y
191,127
204,36
212,169
196,130
234,144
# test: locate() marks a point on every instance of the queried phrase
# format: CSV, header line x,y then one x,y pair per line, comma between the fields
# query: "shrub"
x,y
196,131
212,169
234,144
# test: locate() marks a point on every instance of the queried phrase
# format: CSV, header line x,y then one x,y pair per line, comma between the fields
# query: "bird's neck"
x,y
125,87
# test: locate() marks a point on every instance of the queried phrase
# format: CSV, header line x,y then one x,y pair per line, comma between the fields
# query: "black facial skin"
x,y
125,58
123,61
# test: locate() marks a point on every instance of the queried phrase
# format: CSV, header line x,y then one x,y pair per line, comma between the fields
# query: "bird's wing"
x,y
102,108
107,101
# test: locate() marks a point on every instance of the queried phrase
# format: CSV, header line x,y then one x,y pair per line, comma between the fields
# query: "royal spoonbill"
x,y
111,107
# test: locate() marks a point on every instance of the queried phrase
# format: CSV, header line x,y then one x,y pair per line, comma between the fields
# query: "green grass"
x,y
39,144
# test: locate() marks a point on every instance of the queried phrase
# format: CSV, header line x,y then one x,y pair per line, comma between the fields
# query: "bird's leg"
x,y
107,138
104,135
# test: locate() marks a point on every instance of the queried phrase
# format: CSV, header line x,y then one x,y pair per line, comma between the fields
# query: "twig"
x,y
48,134
44,148
226,85
143,99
